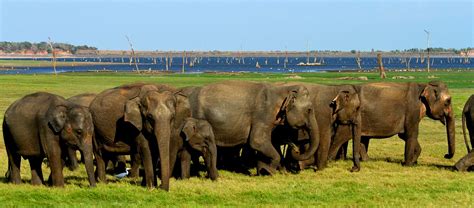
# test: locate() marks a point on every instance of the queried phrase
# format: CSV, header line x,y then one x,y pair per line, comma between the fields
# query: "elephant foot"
x,y
165,187
364,158
459,166
355,169
264,169
409,164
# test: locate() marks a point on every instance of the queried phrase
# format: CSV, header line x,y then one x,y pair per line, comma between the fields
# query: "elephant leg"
x,y
185,160
144,149
341,137
135,161
323,151
465,162
14,164
260,140
100,167
56,165
342,152
364,148
411,145
72,162
36,172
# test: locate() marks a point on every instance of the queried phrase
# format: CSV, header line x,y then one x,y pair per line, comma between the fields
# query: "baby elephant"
x,y
196,138
467,120
43,125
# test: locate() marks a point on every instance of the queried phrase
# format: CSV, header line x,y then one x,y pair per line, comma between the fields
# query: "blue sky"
x,y
241,24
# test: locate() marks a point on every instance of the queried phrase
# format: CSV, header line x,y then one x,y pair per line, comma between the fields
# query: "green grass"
x,y
381,182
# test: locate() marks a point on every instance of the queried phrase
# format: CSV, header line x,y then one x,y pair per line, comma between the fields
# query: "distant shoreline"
x,y
111,53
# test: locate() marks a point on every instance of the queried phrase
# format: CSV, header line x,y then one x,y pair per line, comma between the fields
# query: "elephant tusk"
x,y
294,147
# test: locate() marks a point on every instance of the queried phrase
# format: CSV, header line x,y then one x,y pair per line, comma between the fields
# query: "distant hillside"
x,y
41,48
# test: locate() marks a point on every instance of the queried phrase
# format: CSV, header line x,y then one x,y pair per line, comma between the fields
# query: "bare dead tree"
x,y
358,60
380,64
54,55
184,61
166,62
133,54
428,50
408,63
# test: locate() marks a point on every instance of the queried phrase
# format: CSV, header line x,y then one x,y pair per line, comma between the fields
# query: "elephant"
x,y
43,125
243,113
136,119
336,106
196,136
389,109
70,155
84,99
467,120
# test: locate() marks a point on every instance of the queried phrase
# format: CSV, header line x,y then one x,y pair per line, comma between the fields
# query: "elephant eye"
x,y
149,116
447,102
79,131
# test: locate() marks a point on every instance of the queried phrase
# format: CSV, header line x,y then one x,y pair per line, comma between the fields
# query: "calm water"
x,y
270,64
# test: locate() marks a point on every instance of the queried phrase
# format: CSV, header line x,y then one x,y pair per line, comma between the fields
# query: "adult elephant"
x,y
132,119
335,107
70,157
247,112
389,109
42,125
467,121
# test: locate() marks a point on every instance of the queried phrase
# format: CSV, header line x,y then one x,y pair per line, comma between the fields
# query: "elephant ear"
x,y
183,108
288,101
132,113
290,98
57,117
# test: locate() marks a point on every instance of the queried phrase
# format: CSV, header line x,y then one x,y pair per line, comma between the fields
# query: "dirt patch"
x,y
353,78
403,77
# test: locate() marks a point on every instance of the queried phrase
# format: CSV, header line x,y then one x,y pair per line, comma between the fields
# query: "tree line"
x,y
16,47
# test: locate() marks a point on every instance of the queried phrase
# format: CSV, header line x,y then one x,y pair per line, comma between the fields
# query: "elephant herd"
x,y
235,125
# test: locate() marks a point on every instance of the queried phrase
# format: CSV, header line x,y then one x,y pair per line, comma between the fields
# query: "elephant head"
x,y
437,101
297,111
153,111
199,136
74,126
345,111
345,107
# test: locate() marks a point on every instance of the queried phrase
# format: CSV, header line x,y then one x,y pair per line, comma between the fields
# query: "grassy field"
x,y
381,182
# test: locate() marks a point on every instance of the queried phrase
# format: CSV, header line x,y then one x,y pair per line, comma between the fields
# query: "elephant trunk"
x,y
211,161
313,131
87,152
449,119
163,135
356,134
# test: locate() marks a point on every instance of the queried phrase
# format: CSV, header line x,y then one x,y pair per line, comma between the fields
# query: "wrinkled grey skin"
x,y
136,119
467,121
247,112
84,100
346,116
330,110
389,109
42,125
195,136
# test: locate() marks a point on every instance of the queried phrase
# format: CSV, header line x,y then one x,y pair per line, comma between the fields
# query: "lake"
x,y
248,64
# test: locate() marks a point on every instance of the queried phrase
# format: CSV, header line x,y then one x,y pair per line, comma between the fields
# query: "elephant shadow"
x,y
400,161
